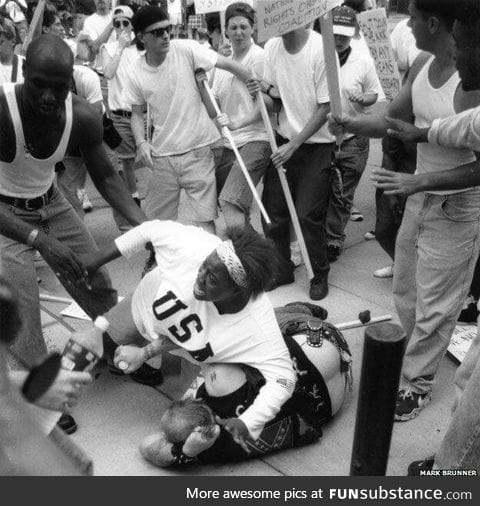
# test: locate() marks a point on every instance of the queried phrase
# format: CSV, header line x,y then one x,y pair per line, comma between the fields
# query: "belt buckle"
x,y
34,204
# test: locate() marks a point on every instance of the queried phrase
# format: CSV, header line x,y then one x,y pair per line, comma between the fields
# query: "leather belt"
x,y
119,112
32,204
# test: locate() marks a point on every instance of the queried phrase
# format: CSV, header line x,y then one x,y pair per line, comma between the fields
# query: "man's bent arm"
x,y
237,69
459,178
459,131
138,124
107,181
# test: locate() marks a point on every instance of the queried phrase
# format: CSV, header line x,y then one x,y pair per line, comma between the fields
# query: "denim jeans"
x,y
460,448
16,265
398,157
349,164
232,187
436,251
308,174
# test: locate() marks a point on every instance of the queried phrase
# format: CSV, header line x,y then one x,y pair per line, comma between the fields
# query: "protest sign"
x,y
204,6
276,17
374,27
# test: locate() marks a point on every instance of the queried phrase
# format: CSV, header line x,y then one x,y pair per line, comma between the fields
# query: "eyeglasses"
x,y
160,32
124,23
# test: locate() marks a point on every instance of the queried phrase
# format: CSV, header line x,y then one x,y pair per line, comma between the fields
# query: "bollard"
x,y
381,366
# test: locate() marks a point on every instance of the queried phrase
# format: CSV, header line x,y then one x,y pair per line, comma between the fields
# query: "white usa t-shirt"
x,y
179,117
164,304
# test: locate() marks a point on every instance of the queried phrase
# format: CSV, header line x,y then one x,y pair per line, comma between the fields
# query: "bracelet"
x,y
32,236
101,323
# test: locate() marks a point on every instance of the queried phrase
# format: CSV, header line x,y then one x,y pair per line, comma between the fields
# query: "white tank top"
x,y
430,103
28,177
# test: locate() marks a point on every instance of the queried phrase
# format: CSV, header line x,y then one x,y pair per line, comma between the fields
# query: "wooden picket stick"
x,y
354,324
228,135
53,298
34,25
285,188
330,55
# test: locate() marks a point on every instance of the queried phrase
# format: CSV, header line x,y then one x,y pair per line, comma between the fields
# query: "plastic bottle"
x,y
85,348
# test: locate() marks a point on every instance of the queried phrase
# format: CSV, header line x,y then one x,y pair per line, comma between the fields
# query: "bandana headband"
x,y
226,253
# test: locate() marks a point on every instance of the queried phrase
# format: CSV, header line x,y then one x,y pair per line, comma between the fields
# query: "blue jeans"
x,y
16,265
308,174
349,164
460,448
436,251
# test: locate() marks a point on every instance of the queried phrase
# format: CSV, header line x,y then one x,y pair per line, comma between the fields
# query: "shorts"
x,y
231,183
127,149
193,172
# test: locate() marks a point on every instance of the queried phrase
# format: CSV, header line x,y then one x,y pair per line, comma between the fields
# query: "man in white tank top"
x,y
38,121
438,242
460,445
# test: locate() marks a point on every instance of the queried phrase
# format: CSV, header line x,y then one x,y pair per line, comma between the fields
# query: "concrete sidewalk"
x,y
116,413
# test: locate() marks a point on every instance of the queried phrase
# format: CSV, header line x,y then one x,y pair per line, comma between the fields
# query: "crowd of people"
x,y
127,88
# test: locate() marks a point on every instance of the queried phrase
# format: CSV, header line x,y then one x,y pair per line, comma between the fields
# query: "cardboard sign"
x,y
204,6
375,31
461,339
276,17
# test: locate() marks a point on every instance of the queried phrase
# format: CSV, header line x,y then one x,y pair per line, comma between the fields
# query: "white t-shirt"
x,y
164,304
404,45
235,100
87,84
358,75
116,93
301,80
180,119
93,26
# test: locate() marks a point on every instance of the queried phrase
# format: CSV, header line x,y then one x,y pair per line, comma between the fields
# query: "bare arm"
x,y
106,180
96,44
237,69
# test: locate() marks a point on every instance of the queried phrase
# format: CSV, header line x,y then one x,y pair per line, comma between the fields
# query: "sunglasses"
x,y
160,32
118,24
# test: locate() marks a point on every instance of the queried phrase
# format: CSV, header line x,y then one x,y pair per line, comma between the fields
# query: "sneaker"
x,y
333,252
356,215
82,196
384,272
283,278
409,404
319,288
370,235
296,254
420,465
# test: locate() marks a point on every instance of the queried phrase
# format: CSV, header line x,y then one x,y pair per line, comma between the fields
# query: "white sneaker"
x,y
356,215
82,196
384,272
370,235
295,254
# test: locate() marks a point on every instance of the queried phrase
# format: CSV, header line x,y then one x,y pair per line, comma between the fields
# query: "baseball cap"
x,y
123,11
344,21
148,16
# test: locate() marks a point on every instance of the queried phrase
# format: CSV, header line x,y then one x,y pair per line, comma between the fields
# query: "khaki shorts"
x,y
193,172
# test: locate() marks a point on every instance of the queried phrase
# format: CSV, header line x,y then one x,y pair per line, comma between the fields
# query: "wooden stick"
x,y
285,188
330,55
34,25
357,323
228,135
53,298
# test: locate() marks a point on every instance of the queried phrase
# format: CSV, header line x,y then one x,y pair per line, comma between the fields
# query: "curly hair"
x,y
258,255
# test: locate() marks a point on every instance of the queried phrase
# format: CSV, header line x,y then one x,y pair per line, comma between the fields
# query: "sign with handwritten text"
x,y
276,17
204,6
374,27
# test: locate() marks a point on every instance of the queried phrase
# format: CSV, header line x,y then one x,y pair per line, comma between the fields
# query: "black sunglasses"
x,y
124,23
160,32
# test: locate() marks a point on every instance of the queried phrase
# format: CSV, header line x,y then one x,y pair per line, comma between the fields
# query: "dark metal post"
x,y
381,366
